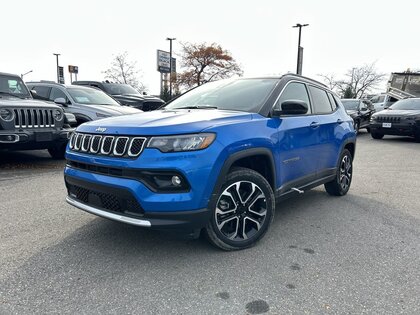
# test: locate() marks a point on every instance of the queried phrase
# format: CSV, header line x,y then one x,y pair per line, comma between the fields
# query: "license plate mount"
x,y
43,136
386,125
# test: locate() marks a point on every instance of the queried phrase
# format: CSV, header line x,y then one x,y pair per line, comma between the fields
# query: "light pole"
x,y
300,49
21,76
58,73
170,65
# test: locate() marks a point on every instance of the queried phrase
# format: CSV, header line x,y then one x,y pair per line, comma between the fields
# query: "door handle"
x,y
339,121
314,124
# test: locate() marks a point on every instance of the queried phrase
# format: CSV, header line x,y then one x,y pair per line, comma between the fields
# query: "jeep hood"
x,y
397,112
113,110
23,103
165,122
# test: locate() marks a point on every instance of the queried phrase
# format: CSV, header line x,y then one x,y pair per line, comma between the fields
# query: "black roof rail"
x,y
45,81
305,78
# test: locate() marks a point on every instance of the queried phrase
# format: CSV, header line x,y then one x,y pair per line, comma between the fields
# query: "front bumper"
x,y
396,129
186,220
120,204
33,139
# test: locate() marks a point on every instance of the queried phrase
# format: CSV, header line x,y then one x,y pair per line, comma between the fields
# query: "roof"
x,y
67,86
9,74
406,73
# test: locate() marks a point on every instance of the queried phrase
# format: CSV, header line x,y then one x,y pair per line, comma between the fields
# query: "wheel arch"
x,y
260,160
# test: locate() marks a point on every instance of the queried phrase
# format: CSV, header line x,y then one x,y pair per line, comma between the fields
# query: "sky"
x,y
259,35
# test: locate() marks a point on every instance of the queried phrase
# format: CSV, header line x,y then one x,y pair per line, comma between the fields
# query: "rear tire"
x,y
342,181
58,152
376,135
242,210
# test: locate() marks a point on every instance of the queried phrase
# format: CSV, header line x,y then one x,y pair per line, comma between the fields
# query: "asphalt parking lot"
x,y
323,255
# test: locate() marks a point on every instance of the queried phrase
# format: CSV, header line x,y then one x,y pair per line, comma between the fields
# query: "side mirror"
x,y
34,94
363,109
61,101
291,107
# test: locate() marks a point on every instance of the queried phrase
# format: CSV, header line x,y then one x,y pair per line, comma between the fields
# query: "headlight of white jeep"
x,y
6,114
182,142
58,114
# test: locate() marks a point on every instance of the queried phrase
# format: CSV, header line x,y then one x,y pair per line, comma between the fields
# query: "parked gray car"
x,y
85,103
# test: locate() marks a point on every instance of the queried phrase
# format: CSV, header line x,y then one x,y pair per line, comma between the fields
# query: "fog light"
x,y
176,181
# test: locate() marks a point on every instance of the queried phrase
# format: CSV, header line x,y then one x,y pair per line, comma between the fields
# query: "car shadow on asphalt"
x,y
22,161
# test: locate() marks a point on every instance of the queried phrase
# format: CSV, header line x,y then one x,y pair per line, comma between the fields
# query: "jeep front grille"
x,y
391,119
34,118
121,146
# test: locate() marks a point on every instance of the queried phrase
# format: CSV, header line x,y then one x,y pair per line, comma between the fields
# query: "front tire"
x,y
58,152
376,135
341,183
242,210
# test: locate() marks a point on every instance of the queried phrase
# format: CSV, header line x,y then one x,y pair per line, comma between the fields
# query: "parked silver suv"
x,y
85,103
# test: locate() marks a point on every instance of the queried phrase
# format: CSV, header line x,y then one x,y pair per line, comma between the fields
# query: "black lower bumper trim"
x,y
174,220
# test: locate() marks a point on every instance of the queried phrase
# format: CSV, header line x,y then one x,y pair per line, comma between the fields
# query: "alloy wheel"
x,y
345,172
241,211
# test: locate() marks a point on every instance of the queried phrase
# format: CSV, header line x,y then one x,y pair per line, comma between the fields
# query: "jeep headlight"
x,y
182,142
58,114
6,114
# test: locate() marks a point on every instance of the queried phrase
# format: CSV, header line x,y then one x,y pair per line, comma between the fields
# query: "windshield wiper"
x,y
197,107
11,94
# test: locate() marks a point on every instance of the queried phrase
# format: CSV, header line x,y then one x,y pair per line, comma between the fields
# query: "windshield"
x,y
90,96
120,89
350,104
378,99
246,95
408,104
13,86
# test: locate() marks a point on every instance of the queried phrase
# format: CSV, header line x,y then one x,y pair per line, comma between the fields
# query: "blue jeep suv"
x,y
215,159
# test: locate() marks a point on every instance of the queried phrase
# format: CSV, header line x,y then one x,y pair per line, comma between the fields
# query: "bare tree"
x,y
204,63
357,82
123,70
329,80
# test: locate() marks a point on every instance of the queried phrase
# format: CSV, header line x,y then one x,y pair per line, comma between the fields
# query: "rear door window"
x,y
42,92
321,102
332,102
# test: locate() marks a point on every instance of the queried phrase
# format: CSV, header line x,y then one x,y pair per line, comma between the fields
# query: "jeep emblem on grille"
x,y
100,129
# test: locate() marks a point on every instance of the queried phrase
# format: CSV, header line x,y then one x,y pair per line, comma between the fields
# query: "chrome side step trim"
x,y
108,215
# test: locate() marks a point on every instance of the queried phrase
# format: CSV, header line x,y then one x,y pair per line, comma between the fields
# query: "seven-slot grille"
x,y
121,146
391,119
34,118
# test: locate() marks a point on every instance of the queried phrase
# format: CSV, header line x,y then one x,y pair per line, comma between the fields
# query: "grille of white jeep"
x,y
33,118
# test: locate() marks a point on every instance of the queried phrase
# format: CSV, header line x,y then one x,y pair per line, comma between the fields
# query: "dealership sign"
x,y
73,69
163,64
